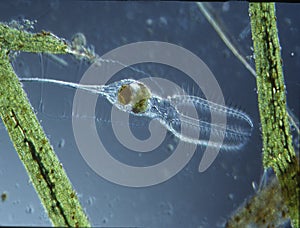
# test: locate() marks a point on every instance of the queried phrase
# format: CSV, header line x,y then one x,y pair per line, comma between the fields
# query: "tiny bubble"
x,y
170,147
230,196
149,21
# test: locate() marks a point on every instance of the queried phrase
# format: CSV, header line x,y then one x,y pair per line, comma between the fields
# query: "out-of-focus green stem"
x,y
43,167
278,151
265,209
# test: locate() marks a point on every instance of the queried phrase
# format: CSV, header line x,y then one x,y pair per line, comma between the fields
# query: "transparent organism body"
x,y
135,97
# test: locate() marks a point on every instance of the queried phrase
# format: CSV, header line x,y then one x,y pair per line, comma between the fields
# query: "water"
x,y
105,28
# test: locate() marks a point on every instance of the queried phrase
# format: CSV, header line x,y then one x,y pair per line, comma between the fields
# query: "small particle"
x,y
226,53
104,220
221,222
4,196
288,21
225,7
149,21
230,196
44,217
29,209
90,201
72,195
170,147
292,54
254,186
150,31
61,143
163,21
16,202
166,208
245,32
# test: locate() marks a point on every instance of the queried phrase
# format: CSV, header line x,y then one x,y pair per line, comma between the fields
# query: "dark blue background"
x,y
190,199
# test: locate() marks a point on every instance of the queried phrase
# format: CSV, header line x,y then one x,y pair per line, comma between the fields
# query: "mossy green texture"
x,y
20,40
278,151
43,167
265,209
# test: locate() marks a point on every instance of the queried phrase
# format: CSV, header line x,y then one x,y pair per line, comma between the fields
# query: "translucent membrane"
x,y
236,131
175,113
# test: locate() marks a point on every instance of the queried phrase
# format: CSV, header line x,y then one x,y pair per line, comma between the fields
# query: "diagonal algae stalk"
x,y
43,167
